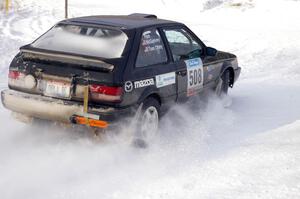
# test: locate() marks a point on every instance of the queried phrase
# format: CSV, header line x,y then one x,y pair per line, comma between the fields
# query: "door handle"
x,y
182,73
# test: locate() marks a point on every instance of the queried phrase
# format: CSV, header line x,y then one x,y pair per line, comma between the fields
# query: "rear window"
x,y
83,40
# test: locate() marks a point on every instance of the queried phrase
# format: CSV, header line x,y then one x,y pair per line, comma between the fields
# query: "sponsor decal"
x,y
128,86
195,76
193,62
144,83
151,43
165,79
153,48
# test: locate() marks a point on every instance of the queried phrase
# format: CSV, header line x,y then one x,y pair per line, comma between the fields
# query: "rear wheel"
x,y
148,121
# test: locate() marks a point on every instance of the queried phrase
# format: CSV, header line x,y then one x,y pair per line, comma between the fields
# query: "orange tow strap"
x,y
86,102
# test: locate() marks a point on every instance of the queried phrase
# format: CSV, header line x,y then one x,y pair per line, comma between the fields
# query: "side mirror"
x,y
211,51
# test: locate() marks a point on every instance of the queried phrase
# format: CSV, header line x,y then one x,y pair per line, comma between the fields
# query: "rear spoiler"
x,y
72,59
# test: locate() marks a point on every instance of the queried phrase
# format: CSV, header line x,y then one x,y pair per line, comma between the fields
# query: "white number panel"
x,y
195,75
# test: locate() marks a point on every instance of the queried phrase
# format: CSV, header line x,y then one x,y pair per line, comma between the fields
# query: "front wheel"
x,y
223,84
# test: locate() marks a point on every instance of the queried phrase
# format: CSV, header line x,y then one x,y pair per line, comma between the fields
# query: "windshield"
x,y
83,40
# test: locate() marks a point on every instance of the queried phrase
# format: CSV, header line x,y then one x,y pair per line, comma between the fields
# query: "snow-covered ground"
x,y
250,149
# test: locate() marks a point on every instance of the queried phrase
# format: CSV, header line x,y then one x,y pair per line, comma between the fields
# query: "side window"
x,y
182,44
152,50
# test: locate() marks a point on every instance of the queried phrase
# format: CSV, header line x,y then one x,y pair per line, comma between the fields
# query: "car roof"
x,y
132,21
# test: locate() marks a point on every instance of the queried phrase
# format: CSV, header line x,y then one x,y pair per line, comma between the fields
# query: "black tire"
x,y
225,82
140,139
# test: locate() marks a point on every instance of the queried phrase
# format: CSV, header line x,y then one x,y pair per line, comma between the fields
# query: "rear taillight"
x,y
105,93
16,78
20,80
15,74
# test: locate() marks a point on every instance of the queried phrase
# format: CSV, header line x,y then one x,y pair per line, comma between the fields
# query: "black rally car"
x,y
94,70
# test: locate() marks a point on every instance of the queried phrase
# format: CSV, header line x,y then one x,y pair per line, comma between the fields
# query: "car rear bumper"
x,y
48,108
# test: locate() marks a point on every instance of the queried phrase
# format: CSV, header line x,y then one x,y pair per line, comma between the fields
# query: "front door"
x,y
186,53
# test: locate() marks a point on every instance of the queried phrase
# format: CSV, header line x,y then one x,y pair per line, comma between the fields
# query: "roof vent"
x,y
141,15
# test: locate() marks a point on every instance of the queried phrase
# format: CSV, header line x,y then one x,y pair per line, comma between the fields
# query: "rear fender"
x,y
149,91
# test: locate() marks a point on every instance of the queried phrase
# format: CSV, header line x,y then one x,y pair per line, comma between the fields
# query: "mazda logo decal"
x,y
128,86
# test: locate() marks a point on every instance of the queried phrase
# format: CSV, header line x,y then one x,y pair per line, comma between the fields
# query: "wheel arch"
x,y
152,94
231,72
155,96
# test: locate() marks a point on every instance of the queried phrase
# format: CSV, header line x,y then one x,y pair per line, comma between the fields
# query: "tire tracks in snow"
x,y
19,27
